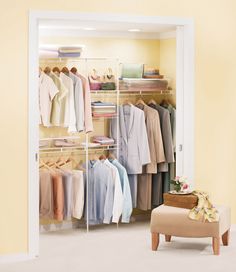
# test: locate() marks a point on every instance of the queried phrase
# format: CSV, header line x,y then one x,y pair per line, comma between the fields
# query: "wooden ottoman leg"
x,y
216,245
225,238
155,241
168,238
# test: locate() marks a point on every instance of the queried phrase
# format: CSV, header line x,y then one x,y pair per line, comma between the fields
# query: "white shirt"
x,y
79,101
70,118
118,195
78,194
47,91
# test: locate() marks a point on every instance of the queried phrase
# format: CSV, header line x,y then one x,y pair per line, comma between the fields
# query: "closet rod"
x,y
77,149
60,138
53,60
72,153
125,92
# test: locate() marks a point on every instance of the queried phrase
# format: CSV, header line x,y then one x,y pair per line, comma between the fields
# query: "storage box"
x,y
180,201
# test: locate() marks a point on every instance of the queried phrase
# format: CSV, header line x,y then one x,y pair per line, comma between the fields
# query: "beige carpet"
x,y
107,249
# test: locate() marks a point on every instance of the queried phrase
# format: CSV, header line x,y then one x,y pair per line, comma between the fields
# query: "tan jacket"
x,y
156,148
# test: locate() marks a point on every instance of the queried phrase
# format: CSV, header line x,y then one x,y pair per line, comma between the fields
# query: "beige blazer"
x,y
156,148
133,145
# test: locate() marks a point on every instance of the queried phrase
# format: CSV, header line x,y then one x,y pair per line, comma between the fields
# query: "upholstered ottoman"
x,y
172,221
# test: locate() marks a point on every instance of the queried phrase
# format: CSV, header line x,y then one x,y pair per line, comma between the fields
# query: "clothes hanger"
x,y
102,157
109,74
78,164
152,101
127,102
111,156
140,102
52,164
94,75
94,157
56,70
73,70
43,164
65,70
47,70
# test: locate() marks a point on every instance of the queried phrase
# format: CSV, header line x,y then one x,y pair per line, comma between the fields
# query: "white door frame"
x,y
184,89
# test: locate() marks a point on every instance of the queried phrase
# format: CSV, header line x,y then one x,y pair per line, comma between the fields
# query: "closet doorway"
x,y
47,26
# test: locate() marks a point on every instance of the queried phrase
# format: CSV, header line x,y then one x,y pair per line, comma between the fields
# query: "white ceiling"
x,y
102,29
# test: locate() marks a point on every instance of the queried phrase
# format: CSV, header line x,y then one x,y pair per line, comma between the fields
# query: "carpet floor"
x,y
127,248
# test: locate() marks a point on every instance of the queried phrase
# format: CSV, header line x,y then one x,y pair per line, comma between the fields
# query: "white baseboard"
x,y
12,258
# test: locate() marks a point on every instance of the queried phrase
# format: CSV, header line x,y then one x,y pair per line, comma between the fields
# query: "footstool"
x,y
172,221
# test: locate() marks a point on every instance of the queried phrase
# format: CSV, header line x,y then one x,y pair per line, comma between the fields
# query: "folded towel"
x,y
204,211
69,55
64,143
48,54
69,49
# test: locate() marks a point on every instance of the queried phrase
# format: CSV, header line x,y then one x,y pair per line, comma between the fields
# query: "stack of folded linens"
x,y
103,140
69,52
64,143
103,109
143,84
150,72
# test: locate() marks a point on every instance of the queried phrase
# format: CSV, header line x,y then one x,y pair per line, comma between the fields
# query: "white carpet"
x,y
107,249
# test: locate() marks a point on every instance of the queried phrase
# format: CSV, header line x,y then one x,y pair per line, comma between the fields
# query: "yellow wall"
x,y
214,100
168,59
127,50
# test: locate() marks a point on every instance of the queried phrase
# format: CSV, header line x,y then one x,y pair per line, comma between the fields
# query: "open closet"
x,y
107,126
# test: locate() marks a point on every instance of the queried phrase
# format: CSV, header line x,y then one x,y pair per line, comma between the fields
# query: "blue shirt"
x,y
101,188
127,204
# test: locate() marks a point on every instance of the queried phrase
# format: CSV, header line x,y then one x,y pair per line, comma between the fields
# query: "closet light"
x,y
134,30
66,27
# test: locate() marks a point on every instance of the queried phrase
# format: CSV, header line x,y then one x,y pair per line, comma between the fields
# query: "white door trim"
x,y
187,66
185,101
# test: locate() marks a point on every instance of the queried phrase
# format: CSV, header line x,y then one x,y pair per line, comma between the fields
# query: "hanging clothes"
x,y
70,117
172,110
59,102
166,136
68,190
58,196
152,121
127,199
133,143
61,194
118,195
160,182
144,192
47,92
88,121
78,194
154,134
101,189
134,148
79,101
46,209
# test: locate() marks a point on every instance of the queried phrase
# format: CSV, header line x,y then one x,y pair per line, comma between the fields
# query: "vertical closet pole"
x,y
117,112
87,160
117,108
87,177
